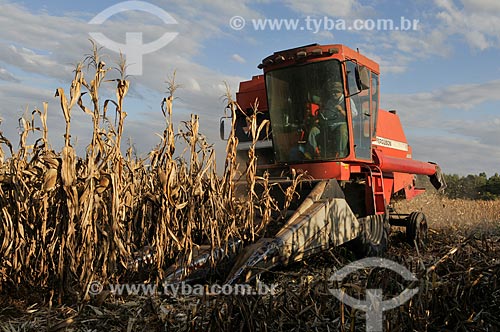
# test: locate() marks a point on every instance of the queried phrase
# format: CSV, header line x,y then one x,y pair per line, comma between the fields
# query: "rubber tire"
x,y
417,229
374,237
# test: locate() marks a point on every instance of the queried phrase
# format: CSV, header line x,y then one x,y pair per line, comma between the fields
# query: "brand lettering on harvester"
x,y
381,141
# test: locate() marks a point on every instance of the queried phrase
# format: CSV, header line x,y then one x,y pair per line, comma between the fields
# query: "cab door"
x,y
361,112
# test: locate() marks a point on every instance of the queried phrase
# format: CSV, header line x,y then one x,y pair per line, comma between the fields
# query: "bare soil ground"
x,y
458,284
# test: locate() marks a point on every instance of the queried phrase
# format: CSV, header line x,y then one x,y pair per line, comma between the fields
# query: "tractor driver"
x,y
332,120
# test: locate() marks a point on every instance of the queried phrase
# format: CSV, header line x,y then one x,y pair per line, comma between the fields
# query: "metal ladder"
x,y
378,190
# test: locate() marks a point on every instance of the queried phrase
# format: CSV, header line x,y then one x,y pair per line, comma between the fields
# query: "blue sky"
x,y
443,77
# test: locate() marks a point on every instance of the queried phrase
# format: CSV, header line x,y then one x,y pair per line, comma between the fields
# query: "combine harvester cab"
x,y
323,105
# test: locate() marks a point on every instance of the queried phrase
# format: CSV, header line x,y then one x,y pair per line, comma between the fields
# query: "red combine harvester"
x,y
323,105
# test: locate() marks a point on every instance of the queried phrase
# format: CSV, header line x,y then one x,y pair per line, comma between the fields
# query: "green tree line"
x,y
473,186
468,187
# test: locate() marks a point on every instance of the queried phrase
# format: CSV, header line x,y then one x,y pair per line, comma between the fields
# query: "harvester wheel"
x,y
416,229
374,237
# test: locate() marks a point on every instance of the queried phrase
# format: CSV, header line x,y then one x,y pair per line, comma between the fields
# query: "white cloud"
x,y
5,75
194,85
36,43
395,51
460,97
238,58
390,61
477,21
461,144
491,7
28,60
333,8
484,130
456,154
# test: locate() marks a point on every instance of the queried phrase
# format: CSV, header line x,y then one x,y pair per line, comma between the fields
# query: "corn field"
x,y
67,221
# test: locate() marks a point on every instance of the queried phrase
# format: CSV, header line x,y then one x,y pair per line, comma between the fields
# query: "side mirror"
x,y
222,127
362,78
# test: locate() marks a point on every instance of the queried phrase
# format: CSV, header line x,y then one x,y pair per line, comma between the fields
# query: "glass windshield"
x,y
308,113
